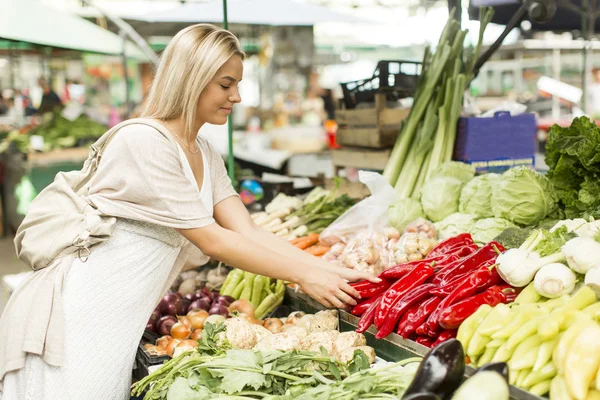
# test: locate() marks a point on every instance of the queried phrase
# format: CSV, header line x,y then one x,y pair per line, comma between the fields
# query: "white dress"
x,y
106,309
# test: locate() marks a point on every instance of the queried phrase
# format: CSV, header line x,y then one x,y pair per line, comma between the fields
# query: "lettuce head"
x,y
403,212
455,224
476,196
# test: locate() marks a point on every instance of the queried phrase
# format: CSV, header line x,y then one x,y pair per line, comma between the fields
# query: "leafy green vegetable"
x,y
574,166
523,196
455,169
403,212
455,224
513,238
546,243
476,196
486,229
321,212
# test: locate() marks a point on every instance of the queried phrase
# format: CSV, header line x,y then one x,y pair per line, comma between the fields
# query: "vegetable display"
x,y
264,293
427,300
550,346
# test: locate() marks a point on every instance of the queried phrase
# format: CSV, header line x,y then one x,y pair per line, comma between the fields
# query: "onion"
x,y
222,301
201,304
178,295
169,305
185,305
294,317
196,335
163,327
190,296
186,321
228,298
242,306
218,309
214,296
180,331
206,291
163,341
151,326
184,346
215,319
188,343
171,346
273,324
155,316
197,318
197,295
250,318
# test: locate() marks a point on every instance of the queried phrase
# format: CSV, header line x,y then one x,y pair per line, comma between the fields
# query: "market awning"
x,y
253,12
31,22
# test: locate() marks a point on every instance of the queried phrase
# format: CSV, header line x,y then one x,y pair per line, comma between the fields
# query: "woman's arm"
x,y
231,214
236,250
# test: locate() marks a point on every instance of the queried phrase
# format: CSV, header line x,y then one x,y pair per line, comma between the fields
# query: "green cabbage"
x,y
403,212
439,197
455,224
523,196
476,196
455,169
485,230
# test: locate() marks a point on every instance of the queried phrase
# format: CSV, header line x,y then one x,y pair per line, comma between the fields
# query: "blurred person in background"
x,y
50,99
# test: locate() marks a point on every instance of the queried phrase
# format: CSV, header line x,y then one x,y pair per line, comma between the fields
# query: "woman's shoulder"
x,y
139,134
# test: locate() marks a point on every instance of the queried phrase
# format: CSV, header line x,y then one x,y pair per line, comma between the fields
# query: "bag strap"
x,y
100,144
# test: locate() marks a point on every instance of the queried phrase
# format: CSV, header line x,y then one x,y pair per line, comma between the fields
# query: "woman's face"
x,y
222,92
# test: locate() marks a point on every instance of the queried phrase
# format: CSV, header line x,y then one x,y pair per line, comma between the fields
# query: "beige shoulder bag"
x,y
60,221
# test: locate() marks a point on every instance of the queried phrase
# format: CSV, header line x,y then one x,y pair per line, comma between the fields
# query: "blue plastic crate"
x,y
498,143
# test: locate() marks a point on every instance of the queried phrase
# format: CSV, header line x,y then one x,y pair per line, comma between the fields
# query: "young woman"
x,y
70,332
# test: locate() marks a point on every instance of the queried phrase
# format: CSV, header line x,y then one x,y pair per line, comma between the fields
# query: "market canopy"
x,y
567,17
252,12
31,22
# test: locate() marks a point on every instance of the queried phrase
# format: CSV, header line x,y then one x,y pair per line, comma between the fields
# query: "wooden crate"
x,y
375,128
360,158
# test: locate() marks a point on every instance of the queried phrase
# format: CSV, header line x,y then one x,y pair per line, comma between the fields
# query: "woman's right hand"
x,y
328,288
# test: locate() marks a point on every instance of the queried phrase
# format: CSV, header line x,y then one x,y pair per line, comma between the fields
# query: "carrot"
x,y
310,240
294,241
317,250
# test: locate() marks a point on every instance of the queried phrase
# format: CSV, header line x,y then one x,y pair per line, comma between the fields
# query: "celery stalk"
x,y
454,115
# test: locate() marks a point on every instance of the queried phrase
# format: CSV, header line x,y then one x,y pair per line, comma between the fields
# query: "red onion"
x,y
198,294
222,301
219,309
170,304
151,326
214,296
201,304
228,298
190,296
164,324
185,305
206,290
155,316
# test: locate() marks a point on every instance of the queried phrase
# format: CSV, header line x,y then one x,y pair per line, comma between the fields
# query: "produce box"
x,y
498,143
360,158
144,361
393,347
376,128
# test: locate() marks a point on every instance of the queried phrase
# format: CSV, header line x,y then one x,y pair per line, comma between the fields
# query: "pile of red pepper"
x,y
427,300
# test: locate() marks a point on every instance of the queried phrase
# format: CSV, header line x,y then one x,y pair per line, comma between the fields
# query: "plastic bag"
x,y
370,214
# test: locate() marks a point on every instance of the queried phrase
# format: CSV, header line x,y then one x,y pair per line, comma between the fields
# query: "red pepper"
x,y
464,251
400,270
368,289
398,310
479,279
415,278
444,261
366,319
470,263
444,246
360,308
453,316
425,341
414,317
445,335
447,286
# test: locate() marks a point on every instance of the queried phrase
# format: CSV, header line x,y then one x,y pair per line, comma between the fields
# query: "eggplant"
x,y
499,367
422,396
441,371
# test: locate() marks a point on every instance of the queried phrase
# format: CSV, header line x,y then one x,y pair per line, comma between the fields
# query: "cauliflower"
x,y
324,321
305,322
285,341
260,331
347,340
316,340
294,330
239,333
347,355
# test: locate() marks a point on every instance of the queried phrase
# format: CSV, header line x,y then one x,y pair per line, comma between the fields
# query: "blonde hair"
x,y
190,61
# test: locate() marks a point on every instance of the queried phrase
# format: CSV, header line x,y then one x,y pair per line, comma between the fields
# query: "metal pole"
x,y
556,75
230,158
123,35
584,31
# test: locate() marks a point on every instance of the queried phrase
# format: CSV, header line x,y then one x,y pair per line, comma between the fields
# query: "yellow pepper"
x,y
582,361
523,348
467,329
495,320
525,331
528,295
545,353
593,395
558,389
560,351
487,355
525,314
547,372
527,361
541,388
593,311
522,376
